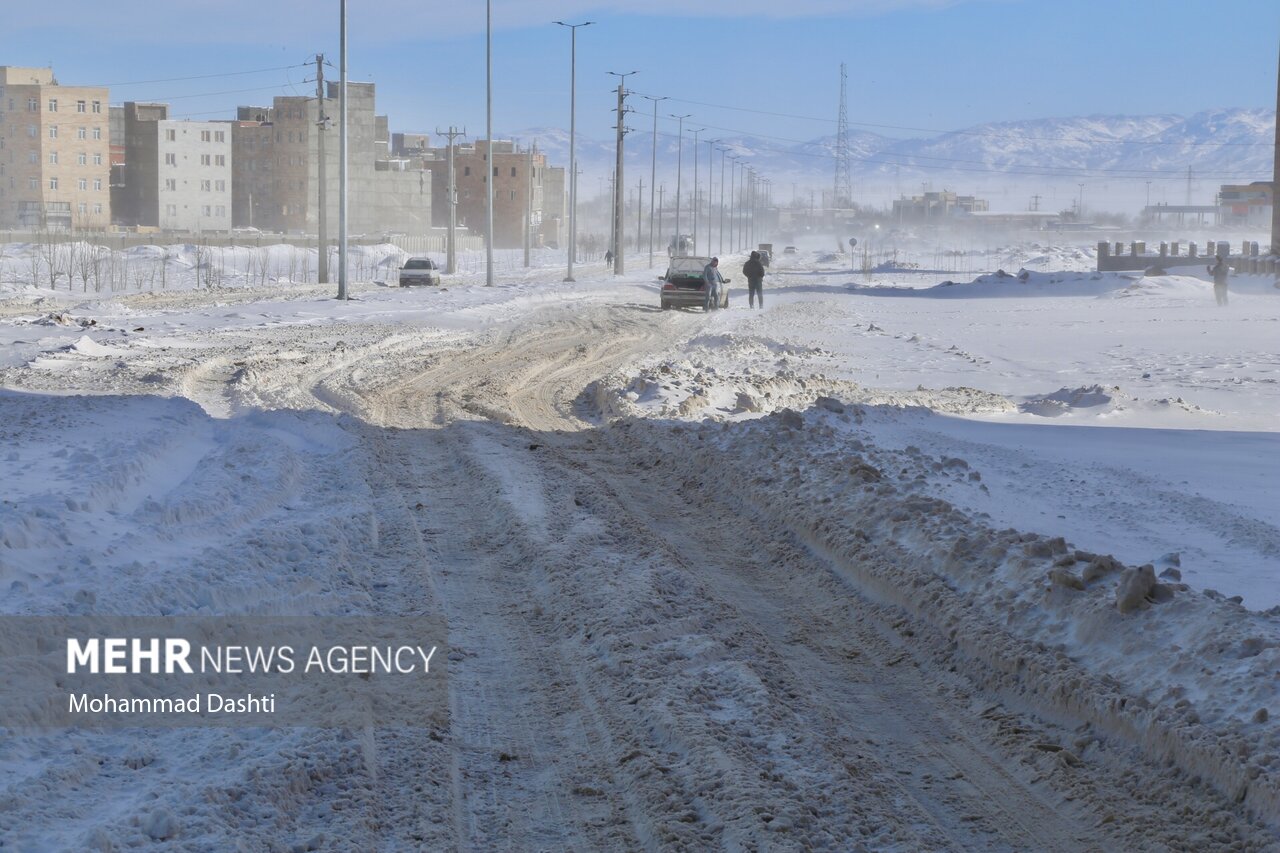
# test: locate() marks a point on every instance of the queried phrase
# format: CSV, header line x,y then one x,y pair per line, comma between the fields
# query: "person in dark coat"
x,y
1220,270
754,272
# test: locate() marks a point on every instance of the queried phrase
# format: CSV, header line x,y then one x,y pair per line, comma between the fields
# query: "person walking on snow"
x,y
1219,272
753,269
711,274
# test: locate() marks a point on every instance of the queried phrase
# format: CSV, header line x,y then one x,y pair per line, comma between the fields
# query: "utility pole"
x,y
528,209
653,171
451,250
618,266
573,160
720,251
733,183
322,265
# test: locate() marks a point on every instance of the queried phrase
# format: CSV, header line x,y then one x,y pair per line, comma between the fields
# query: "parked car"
x,y
419,271
684,287
789,250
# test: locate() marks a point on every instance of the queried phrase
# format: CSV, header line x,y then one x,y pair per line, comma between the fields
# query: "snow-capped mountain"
x,y
1118,154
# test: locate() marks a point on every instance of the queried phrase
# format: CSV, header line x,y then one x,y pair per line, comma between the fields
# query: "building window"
x,y
220,186
80,106
222,210
171,184
97,208
171,159
82,184
97,133
466,170
206,136
33,183
219,136
53,158
513,195
495,171
97,184
53,105
80,134
205,160
82,208
97,159
97,106
53,131
206,210
206,186
82,159
53,182
220,159
33,157
171,135
513,171
33,105
31,131
171,209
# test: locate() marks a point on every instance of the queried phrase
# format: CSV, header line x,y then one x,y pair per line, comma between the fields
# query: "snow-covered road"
x,y
740,581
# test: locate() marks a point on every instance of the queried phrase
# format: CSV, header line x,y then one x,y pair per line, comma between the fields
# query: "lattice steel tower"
x,y
844,184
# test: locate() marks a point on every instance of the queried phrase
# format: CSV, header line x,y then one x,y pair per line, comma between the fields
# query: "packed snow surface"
x,y
1021,523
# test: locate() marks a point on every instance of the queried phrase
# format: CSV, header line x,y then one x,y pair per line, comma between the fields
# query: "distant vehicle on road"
x,y
419,271
789,250
680,245
683,285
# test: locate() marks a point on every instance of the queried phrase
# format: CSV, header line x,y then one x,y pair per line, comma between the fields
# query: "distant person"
x,y
753,269
608,257
1219,272
711,274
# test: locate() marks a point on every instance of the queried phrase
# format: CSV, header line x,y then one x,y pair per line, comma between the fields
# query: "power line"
x,y
202,76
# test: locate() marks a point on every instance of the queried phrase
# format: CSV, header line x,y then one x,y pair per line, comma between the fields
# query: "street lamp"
x,y
723,152
679,158
733,182
695,189
619,256
488,143
653,170
1080,204
573,163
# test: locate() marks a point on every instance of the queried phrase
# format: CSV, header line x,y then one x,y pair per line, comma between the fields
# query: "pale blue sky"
x,y
918,64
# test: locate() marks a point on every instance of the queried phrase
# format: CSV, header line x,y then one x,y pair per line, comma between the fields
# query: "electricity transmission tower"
x,y
844,184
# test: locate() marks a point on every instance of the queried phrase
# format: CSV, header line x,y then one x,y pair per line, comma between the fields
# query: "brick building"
x,y
55,168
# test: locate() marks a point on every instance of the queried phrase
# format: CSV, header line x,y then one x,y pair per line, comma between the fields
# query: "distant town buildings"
x,y
1247,205
937,205
69,161
55,164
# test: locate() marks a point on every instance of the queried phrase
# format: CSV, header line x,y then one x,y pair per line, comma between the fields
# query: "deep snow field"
x,y
165,453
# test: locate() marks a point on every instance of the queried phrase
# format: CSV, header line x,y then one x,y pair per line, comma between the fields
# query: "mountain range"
x,y
1123,158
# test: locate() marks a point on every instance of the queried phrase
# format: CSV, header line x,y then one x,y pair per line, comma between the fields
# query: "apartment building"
x,y
177,174
55,166
524,185
277,168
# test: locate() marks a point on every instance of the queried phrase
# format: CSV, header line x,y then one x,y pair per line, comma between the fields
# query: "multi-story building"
x,y
277,179
937,205
1246,204
55,166
177,174
525,188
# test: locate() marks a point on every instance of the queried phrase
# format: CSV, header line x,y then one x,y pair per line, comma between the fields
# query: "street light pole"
x,y
679,158
723,152
695,189
488,142
342,156
711,185
653,171
573,162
